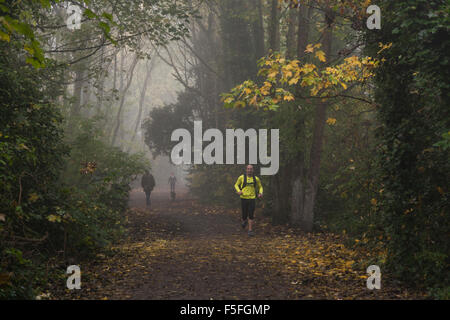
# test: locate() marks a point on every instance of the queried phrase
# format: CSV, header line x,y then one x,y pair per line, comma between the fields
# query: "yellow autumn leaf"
x,y
288,98
384,46
288,74
53,218
228,100
293,81
321,55
314,91
33,197
309,48
273,74
276,100
264,91
331,121
4,36
294,64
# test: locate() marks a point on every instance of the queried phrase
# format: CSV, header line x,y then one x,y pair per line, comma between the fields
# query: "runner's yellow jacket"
x,y
249,191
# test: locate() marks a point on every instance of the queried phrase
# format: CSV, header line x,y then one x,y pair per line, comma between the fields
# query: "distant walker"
x,y
172,182
148,183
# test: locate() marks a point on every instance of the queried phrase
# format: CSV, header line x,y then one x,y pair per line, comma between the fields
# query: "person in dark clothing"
x,y
172,182
148,183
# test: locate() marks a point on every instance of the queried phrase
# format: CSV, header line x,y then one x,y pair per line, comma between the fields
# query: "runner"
x,y
172,182
246,187
148,183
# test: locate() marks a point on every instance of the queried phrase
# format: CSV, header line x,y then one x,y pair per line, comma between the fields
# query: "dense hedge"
x,y
412,91
56,203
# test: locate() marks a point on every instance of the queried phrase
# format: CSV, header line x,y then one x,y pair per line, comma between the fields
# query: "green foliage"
x,y
31,157
444,143
97,181
15,275
349,189
413,94
215,184
18,20
440,293
53,201
163,121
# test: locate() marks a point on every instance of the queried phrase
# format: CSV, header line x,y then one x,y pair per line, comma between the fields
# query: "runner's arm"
x,y
238,184
260,187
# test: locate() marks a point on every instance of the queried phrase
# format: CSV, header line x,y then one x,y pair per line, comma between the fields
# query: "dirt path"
x,y
183,250
202,255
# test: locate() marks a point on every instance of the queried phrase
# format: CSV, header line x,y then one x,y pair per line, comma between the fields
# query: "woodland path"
x,y
185,250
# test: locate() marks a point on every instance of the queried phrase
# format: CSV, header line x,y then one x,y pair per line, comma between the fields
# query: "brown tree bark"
x,y
274,27
78,92
142,100
298,169
312,178
304,15
281,201
122,100
258,29
290,37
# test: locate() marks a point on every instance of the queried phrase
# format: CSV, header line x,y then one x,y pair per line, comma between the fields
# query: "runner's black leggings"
x,y
248,208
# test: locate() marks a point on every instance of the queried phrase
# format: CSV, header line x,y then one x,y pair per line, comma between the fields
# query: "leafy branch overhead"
x,y
11,25
282,76
109,24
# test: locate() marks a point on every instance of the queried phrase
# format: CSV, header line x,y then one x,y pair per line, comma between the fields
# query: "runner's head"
x,y
249,170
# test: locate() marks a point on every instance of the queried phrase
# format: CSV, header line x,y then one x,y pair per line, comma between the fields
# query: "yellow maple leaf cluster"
x,y
279,73
331,121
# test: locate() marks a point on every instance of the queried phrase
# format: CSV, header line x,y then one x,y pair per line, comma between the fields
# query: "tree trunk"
x,y
122,101
274,27
142,100
101,82
281,201
258,29
86,95
312,179
78,92
298,173
298,191
290,37
304,15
